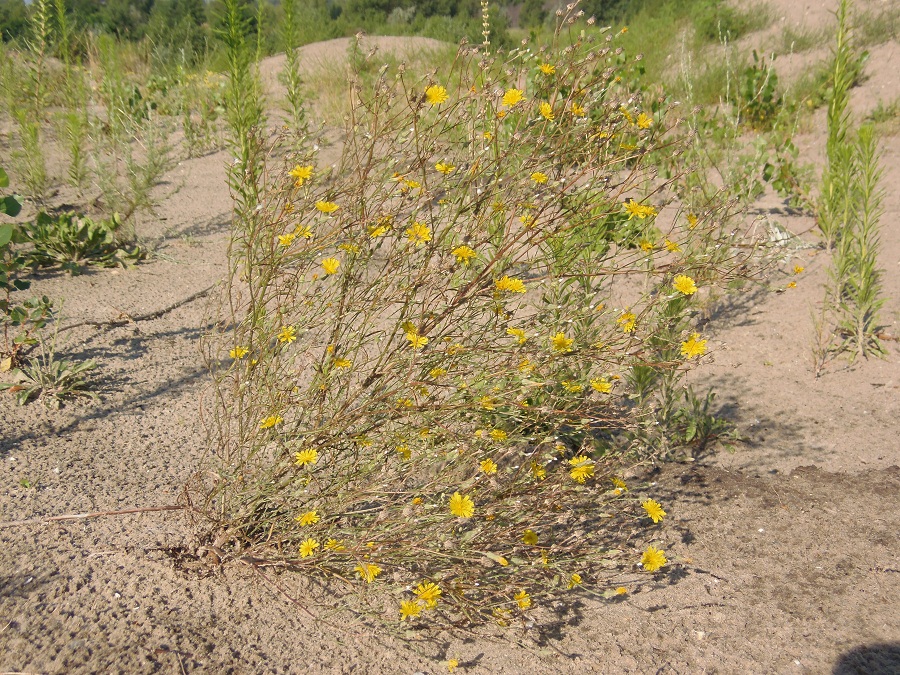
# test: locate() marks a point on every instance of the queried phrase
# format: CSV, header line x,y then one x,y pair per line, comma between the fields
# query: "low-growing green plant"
x,y
759,100
50,380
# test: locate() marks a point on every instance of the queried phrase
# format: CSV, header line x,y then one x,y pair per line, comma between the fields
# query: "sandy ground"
x,y
788,547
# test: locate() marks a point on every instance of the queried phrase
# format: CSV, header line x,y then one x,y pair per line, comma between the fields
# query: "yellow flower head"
x,y
498,435
547,69
582,468
517,333
654,510
546,111
561,343
409,609
308,518
530,537
653,559
798,269
436,94
461,506
512,97
367,572
287,334
238,352
537,471
436,373
638,210
627,322
488,466
509,284
301,174
270,421
619,485
486,402
286,239
693,347
684,284
377,230
644,121
539,177
428,592
330,265
577,110
335,545
415,340
308,547
445,168
602,385
327,207
463,254
692,221
418,233
672,246
452,664
343,363
304,457
523,599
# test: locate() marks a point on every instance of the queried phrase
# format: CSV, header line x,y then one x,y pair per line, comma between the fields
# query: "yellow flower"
x,y
582,468
672,246
547,69
330,265
792,284
574,580
644,121
620,485
455,348
488,466
530,537
429,593
238,352
461,506
517,333
335,545
653,559
539,472
654,510
526,366
546,111
498,435
486,402
327,207
561,343
523,599
539,177
577,110
638,210
435,373
684,284
415,340
452,664
270,421
287,334
308,518
646,245
445,168
621,590
377,230
798,269
304,457
627,322
286,239
301,174
571,387
463,254
418,233
308,547
436,94
692,221
367,572
512,97
602,385
693,347
303,231
343,363
409,609
404,451
509,284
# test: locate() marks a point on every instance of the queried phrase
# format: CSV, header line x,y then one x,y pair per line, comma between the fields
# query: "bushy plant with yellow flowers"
x,y
425,367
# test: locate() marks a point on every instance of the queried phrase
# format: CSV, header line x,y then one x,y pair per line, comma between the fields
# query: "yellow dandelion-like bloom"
x,y
461,505
286,239
672,246
445,168
308,518
343,363
692,220
654,510
693,346
367,572
582,468
561,343
409,184
684,284
429,593
526,366
308,547
455,348
577,110
498,435
330,265
601,385
415,340
303,232
537,471
436,94
646,245
327,207
527,221
653,559
517,333
288,207
644,121
530,537
512,97
539,177
270,421
798,269
792,284
636,210
404,451
409,609
522,599
452,664
546,111
335,545
377,231
418,233
463,254
436,373
627,322
574,580
301,174
509,284
627,115
488,466
547,69
571,387
619,484
238,352
486,402
304,457
287,334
